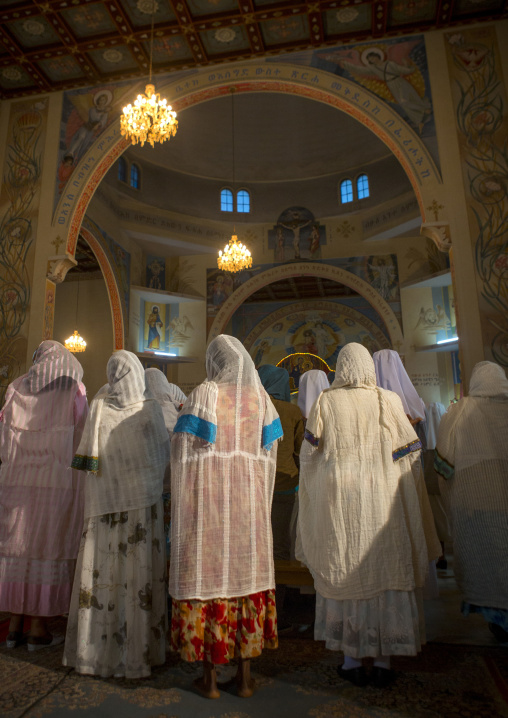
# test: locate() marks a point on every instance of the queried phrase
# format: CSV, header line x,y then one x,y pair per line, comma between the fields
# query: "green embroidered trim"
x,y
85,463
442,466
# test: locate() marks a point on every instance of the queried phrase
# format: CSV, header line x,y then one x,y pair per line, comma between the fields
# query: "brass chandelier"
x,y
150,119
75,343
235,256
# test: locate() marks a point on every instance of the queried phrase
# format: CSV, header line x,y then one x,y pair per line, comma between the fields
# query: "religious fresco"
x,y
85,115
19,206
318,327
436,319
481,106
380,271
297,235
155,272
394,70
300,362
155,327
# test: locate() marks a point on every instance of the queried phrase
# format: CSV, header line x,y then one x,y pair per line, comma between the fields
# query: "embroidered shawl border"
x,y
443,467
191,424
313,440
86,463
272,432
415,445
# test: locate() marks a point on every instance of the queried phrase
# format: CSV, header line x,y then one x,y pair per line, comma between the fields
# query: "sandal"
x,y
36,643
14,639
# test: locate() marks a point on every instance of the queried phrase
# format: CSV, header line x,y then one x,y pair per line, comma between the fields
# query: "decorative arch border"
x,y
111,285
309,83
302,269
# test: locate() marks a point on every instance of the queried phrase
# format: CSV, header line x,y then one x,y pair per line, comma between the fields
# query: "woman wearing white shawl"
x,y
360,526
223,461
41,498
310,387
118,614
433,415
170,399
472,457
392,375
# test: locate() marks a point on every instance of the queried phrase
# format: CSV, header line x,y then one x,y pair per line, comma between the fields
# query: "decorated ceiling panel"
x,y
48,45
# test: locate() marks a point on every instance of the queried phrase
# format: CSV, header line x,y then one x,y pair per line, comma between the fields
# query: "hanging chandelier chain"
x,y
151,42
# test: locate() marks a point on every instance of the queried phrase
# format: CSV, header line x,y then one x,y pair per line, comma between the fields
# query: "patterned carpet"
x,y
299,679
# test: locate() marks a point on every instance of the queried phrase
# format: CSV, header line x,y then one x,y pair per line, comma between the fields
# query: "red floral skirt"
x,y
224,628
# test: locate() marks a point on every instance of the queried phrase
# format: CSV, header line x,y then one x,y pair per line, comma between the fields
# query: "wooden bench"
x,y
293,573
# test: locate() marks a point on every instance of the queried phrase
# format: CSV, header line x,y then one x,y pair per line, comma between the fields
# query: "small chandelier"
x,y
75,343
150,119
235,257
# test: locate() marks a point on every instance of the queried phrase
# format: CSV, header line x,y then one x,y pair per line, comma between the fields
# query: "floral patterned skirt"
x,y
224,628
118,613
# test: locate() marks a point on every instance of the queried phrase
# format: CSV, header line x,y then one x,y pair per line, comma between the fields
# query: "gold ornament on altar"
x,y
150,119
235,256
75,343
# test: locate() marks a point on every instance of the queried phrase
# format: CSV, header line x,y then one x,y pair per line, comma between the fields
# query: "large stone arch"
x,y
205,85
299,269
115,302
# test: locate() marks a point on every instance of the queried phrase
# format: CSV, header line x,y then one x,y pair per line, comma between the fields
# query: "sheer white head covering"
x,y
433,414
488,380
227,362
52,362
310,387
125,442
169,396
126,386
391,374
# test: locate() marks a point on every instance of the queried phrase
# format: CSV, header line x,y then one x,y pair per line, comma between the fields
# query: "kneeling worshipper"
x,y
118,614
311,384
433,415
360,525
41,497
223,463
472,458
171,399
276,383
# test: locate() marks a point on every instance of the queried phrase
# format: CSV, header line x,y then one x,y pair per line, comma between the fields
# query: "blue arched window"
x,y
242,201
122,169
346,191
135,177
226,200
362,186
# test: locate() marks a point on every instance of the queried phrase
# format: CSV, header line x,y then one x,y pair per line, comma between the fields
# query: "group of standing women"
x,y
94,546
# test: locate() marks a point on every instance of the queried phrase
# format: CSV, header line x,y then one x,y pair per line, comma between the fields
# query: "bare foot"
x,y
246,688
204,689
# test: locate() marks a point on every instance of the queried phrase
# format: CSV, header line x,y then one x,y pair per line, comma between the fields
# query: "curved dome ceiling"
x,y
278,138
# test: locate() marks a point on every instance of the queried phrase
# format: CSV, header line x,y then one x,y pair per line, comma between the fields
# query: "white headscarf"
x,y
227,362
488,380
125,442
391,374
310,387
169,396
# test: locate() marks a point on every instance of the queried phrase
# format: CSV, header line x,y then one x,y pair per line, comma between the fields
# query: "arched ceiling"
x,y
277,138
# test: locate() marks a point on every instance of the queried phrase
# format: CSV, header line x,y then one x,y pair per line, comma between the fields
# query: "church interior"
x,y
358,150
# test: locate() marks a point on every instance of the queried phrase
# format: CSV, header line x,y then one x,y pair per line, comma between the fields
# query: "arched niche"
x,y
208,84
299,269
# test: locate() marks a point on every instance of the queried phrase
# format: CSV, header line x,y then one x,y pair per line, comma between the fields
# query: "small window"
x,y
346,191
122,169
242,201
226,200
362,186
135,178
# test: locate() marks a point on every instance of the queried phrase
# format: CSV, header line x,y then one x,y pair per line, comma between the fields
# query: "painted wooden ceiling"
x,y
48,45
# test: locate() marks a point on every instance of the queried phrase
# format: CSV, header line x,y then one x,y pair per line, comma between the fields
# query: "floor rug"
x,y
298,679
